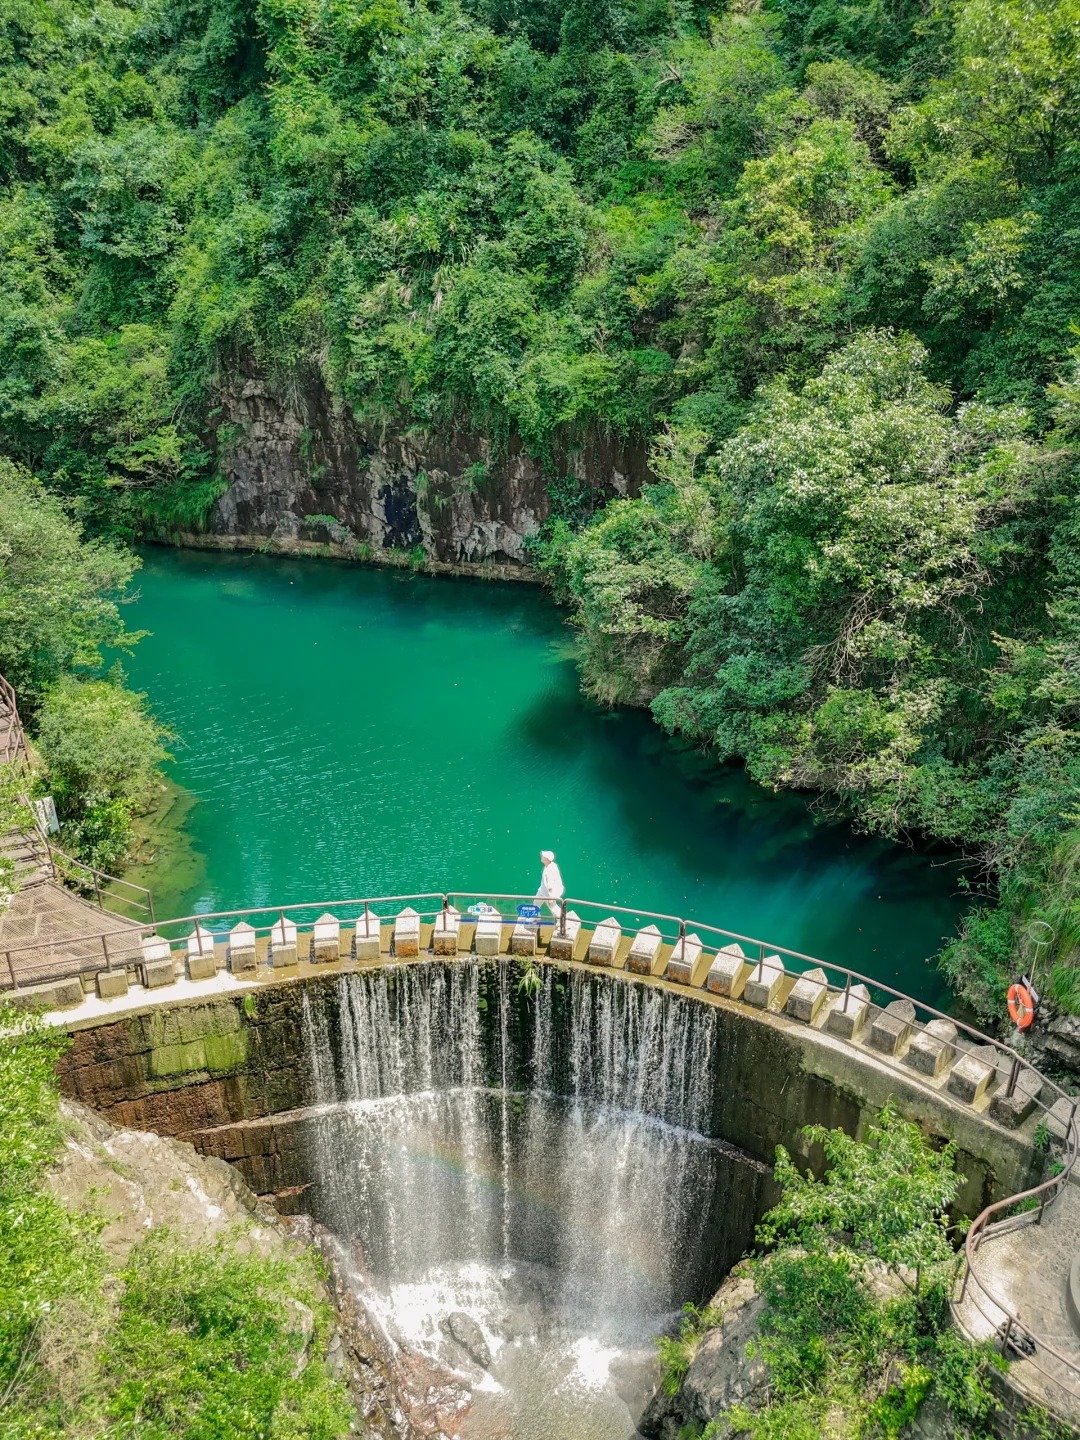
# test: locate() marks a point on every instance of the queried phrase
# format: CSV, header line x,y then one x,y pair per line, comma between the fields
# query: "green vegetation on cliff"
x,y
60,596
158,1339
823,256
855,1272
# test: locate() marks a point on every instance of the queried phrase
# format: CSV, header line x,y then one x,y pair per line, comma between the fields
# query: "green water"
x,y
348,731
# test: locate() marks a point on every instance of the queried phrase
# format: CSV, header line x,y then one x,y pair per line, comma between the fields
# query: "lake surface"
x,y
348,731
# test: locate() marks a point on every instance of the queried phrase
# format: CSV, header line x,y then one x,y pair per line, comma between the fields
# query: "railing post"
x,y
150,902
11,970
964,1285
682,929
1007,1334
1042,1207
1013,1075
847,990
97,889
105,947
761,959
562,917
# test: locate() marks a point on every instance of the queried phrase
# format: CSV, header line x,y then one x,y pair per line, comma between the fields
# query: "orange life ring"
x,y
1021,1006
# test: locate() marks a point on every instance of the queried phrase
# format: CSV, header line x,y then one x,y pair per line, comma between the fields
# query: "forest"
x,y
823,258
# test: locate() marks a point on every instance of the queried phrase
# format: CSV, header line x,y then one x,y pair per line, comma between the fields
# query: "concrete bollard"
x,y
157,966
54,995
326,940
605,942
445,934
407,934
764,982
891,1028
644,950
810,992
848,1013
367,938
932,1049
488,937
561,947
201,958
683,958
1012,1110
283,952
727,973
111,983
523,938
241,949
974,1074
1059,1116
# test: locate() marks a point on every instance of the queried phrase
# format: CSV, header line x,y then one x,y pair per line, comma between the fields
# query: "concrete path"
x,y
1026,1267
48,916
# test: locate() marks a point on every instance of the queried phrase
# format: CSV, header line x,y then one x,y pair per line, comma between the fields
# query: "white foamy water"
x,y
542,1168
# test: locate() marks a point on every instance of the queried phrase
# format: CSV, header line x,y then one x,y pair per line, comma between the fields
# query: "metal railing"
x,y
65,868
13,745
27,964
100,885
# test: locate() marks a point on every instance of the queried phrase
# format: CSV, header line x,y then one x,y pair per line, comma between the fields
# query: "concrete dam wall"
x,y
235,1073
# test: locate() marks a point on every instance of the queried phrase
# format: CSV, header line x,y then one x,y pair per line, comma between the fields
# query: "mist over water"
x,y
551,1177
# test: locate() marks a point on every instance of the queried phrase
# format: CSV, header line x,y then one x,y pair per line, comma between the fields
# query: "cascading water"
x,y
536,1159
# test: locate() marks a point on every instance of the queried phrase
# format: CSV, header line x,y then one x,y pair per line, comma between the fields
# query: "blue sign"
x,y
529,912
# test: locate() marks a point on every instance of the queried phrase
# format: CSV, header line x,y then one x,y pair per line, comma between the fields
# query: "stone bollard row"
x,y
981,1076
935,1052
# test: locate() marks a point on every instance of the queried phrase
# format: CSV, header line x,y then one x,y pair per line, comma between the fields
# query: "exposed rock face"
x,y
139,1181
722,1373
1053,1042
464,1330
451,493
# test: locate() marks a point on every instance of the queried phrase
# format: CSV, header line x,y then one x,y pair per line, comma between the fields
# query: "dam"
x,y
562,1131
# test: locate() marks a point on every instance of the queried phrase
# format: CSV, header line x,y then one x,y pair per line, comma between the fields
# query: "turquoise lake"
x,y
346,731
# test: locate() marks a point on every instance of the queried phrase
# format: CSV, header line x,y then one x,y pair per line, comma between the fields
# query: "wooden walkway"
x,y
68,930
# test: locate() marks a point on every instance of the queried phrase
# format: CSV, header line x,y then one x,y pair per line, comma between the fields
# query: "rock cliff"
x,y
136,1182
301,473
725,1370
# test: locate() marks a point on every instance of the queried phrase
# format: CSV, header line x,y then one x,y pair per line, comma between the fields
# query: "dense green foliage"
x,y
60,612
101,751
172,1341
58,591
849,1352
824,256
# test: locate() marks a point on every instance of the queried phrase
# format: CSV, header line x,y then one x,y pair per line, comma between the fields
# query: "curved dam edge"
x,y
217,1070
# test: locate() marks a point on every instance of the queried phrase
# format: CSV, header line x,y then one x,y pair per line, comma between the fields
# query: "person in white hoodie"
x,y
552,888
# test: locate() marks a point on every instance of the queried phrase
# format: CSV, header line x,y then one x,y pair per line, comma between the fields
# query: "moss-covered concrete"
x,y
196,1068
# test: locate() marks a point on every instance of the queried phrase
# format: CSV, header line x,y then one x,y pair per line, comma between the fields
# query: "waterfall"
x,y
464,1122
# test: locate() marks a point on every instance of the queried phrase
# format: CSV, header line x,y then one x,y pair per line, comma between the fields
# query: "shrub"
x,y
101,749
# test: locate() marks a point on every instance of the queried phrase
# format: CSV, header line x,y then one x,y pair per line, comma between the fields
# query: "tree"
x,y
862,527
59,593
890,1193
102,750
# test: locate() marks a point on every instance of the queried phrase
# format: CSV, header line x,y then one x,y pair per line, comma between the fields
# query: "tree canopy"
x,y
822,258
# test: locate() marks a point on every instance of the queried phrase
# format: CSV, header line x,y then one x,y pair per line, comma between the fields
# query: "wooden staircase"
x,y
26,848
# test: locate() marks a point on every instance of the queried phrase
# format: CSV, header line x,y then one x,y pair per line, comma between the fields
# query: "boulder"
x,y
464,1330
721,1374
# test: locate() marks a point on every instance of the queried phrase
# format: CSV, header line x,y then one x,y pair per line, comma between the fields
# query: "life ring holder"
x,y
1021,1005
